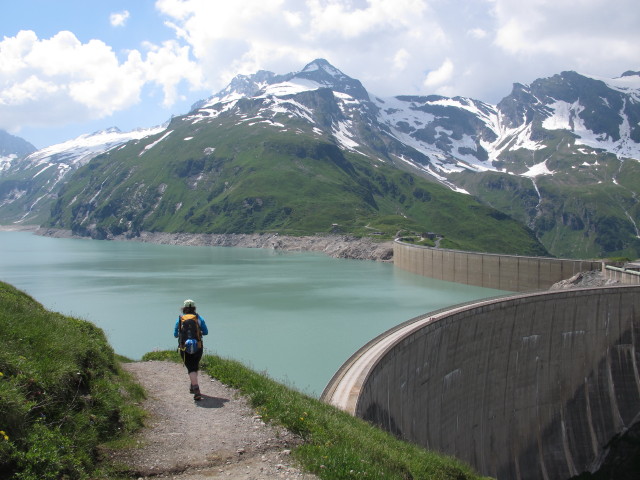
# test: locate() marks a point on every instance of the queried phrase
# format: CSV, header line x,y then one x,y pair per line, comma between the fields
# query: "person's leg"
x,y
193,362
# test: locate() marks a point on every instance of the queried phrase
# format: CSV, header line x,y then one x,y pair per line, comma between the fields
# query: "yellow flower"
x,y
3,434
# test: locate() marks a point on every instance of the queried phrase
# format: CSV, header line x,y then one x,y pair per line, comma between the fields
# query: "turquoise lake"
x,y
295,316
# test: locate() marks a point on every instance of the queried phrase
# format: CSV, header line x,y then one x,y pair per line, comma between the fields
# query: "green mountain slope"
x,y
586,209
233,176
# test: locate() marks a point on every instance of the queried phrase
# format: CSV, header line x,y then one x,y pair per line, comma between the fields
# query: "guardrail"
x,y
622,275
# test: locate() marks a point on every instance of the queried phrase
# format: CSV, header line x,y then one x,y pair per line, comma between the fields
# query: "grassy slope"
x,y
61,392
255,181
585,206
336,445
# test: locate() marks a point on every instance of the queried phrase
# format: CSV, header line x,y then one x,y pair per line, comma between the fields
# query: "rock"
x,y
594,278
337,246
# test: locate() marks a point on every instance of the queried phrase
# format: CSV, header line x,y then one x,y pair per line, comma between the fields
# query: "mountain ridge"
x,y
568,132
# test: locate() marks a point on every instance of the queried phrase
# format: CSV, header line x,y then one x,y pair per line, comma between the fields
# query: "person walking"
x,y
189,330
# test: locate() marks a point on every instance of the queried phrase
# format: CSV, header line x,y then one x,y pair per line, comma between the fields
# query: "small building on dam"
x,y
530,386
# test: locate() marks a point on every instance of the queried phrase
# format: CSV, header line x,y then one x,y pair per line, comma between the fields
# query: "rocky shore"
x,y
337,246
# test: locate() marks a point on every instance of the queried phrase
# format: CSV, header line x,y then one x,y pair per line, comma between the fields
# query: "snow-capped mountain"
x,y
78,151
519,156
449,134
29,183
547,154
317,74
12,148
600,113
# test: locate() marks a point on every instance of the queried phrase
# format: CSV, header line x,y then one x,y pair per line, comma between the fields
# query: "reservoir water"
x,y
295,316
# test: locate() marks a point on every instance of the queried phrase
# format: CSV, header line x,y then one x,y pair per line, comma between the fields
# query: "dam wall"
x,y
622,275
525,387
502,272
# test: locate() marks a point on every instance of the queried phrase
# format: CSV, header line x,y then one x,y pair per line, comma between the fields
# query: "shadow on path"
x,y
211,402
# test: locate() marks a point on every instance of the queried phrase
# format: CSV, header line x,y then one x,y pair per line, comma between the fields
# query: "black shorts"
x,y
191,360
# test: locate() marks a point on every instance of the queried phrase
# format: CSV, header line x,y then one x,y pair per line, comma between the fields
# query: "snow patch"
x,y
566,116
5,162
537,170
292,87
43,169
343,136
80,150
151,145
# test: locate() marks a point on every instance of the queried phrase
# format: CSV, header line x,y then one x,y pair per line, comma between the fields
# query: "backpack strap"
x,y
198,330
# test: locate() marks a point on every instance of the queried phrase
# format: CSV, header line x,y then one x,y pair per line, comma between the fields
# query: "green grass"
x,y
62,392
336,445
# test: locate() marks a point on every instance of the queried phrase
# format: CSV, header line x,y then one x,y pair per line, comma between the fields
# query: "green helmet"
x,y
189,303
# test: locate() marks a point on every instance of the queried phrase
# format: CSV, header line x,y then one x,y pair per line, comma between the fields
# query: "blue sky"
x,y
70,67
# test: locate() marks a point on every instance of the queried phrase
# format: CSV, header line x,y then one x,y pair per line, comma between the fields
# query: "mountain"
x,y
280,154
313,151
29,183
11,148
566,162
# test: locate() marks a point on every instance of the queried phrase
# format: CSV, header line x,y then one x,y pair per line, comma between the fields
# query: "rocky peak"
x,y
325,74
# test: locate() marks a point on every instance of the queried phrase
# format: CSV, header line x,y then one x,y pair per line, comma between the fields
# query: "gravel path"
x,y
217,437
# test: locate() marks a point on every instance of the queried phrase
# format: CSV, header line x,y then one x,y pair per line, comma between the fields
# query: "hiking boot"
x,y
196,393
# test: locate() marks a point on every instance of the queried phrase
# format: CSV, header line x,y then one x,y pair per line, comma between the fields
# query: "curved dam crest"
x,y
531,386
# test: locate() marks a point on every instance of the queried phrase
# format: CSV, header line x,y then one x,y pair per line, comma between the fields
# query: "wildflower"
x,y
1,374
4,435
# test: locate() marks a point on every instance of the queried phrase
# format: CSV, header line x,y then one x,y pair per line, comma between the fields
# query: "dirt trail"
x,y
217,437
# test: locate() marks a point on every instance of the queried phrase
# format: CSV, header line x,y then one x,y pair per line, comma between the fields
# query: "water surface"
x,y
295,316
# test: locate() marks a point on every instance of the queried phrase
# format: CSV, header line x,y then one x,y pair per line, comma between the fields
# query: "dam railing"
x,y
512,273
622,275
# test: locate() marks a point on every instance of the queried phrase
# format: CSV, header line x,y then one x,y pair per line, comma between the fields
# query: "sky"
x,y
71,67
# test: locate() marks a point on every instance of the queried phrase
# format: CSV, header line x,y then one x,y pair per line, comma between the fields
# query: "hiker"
x,y
189,330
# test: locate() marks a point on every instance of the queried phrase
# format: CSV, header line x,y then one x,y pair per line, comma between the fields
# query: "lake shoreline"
x,y
336,246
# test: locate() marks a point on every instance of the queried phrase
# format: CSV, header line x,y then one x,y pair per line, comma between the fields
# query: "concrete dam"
x,y
530,386
514,273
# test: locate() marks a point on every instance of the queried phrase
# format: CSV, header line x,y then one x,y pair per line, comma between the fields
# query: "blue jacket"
x,y
203,326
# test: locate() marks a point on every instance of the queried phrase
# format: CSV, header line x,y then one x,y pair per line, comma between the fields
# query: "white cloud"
x,y
476,49
477,33
119,19
401,59
437,78
347,21
60,80
373,40
169,65
589,35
